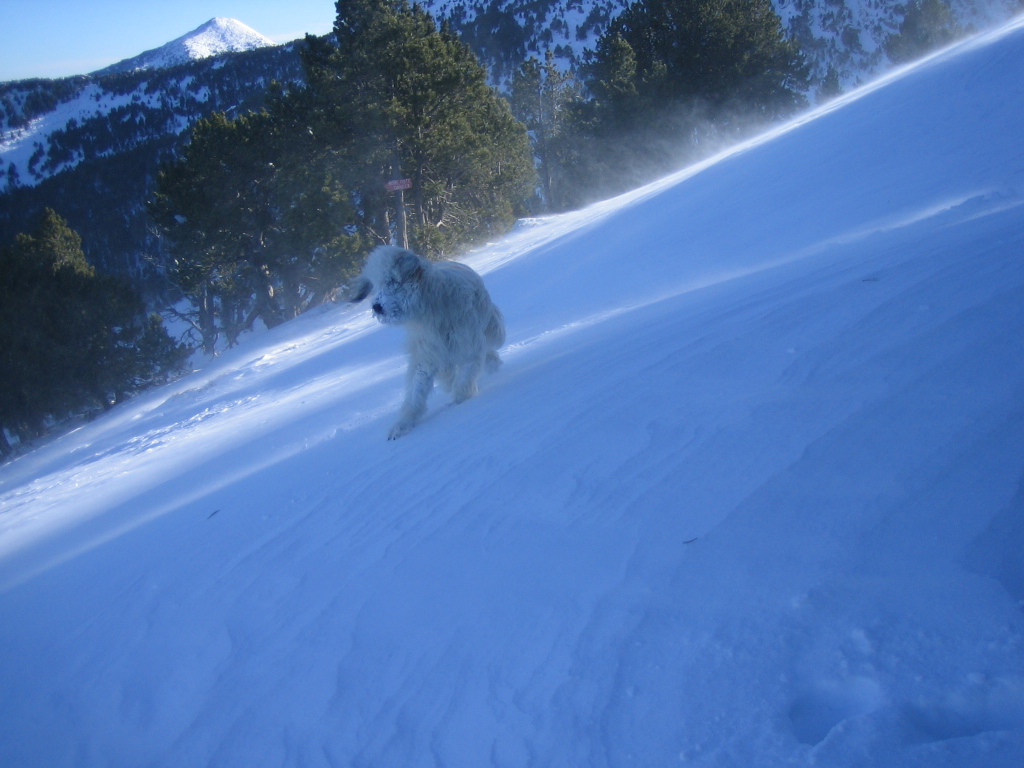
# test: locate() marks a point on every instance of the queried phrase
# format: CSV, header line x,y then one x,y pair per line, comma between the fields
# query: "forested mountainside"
x,y
844,36
89,146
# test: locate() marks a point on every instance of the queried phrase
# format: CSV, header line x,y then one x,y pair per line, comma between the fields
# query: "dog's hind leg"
x,y
464,384
492,362
418,387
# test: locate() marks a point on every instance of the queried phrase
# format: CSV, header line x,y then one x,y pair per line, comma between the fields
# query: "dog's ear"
x,y
408,266
359,290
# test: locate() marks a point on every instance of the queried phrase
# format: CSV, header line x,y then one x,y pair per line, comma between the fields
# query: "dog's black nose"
x,y
378,309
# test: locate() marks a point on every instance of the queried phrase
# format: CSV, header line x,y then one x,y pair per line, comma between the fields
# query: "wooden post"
x,y
399,190
398,186
403,236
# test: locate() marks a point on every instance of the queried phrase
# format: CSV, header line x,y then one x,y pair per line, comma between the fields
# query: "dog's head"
x,y
395,274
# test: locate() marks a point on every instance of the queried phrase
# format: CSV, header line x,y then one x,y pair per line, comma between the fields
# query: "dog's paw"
x,y
492,362
461,397
462,393
401,428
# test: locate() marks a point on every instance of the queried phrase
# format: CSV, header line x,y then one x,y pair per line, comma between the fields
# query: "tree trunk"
x,y
207,322
265,301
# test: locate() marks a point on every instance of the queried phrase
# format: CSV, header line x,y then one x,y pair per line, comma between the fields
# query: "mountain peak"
x,y
218,35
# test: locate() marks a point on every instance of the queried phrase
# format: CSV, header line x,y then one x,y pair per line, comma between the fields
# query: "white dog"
x,y
454,329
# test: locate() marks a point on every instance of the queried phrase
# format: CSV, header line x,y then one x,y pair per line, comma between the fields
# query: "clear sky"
x,y
56,38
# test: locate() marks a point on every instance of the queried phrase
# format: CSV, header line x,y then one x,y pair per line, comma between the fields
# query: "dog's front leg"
x,y
417,389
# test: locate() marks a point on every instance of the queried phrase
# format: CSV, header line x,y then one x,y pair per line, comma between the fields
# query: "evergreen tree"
x,y
672,79
830,86
927,25
70,339
422,98
255,222
613,77
719,51
39,280
542,98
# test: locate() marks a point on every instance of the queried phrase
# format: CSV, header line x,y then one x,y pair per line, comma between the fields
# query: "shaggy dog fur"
x,y
454,329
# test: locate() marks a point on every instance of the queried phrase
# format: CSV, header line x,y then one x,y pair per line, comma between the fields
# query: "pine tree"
x,y
542,98
256,222
719,51
831,86
70,339
613,77
926,26
422,98
672,79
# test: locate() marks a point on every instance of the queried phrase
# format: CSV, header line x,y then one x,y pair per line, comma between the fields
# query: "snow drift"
x,y
747,491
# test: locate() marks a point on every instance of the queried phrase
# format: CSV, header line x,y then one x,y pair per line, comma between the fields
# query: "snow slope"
x,y
747,491
213,38
27,149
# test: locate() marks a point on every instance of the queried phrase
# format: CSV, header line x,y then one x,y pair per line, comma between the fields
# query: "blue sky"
x,y
56,38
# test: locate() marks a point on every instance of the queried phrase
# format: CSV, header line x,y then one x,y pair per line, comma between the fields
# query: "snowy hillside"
x,y
27,153
50,126
748,491
213,38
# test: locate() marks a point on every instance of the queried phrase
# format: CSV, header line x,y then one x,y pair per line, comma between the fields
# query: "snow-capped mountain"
x,y
747,491
215,37
37,116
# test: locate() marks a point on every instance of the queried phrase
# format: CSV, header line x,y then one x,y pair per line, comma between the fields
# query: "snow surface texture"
x,y
748,491
213,38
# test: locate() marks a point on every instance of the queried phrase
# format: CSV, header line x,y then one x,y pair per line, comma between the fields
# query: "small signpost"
x,y
398,186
